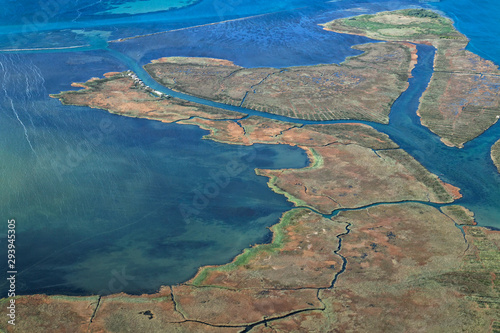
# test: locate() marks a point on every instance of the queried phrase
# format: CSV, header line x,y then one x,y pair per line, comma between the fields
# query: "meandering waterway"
x,y
97,195
469,168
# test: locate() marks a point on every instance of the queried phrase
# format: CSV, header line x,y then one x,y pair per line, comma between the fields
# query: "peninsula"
x,y
363,87
374,243
457,72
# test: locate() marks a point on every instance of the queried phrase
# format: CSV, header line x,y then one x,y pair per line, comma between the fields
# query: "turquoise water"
x,y
98,196
38,24
148,6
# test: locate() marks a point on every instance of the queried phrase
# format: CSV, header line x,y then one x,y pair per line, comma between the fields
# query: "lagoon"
x,y
94,204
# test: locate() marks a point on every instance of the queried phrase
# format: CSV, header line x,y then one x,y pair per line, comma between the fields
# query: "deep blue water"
x,y
99,198
478,20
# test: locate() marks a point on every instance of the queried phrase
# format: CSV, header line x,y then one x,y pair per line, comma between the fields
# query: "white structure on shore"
x,y
138,82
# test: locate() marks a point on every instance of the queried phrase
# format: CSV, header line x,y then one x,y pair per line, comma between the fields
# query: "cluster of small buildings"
x,y
138,83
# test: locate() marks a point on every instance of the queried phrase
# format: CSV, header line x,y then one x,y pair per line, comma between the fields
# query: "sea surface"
x,y
105,203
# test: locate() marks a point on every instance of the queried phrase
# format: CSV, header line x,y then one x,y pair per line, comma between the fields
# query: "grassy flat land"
x,y
363,87
396,267
406,264
459,214
354,176
117,93
463,97
407,24
405,273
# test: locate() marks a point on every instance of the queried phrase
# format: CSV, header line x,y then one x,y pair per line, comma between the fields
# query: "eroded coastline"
x,y
457,72
323,92
288,283
495,154
384,261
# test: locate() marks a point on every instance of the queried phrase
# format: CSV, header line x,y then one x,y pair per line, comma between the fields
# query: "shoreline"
x,y
316,161
119,40
495,154
452,42
284,105
377,231
45,48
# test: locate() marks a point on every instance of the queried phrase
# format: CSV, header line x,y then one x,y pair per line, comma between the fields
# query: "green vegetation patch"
x,y
469,283
75,298
139,300
364,135
272,185
459,214
422,13
430,180
406,24
279,239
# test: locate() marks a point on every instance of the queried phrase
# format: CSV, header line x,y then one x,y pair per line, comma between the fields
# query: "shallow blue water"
x,y
95,193
98,196
470,168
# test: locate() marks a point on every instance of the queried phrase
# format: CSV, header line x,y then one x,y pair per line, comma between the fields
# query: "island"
x,y
375,242
457,72
363,87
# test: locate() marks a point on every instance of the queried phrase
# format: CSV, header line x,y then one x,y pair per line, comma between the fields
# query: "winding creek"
x,y
146,157
470,168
